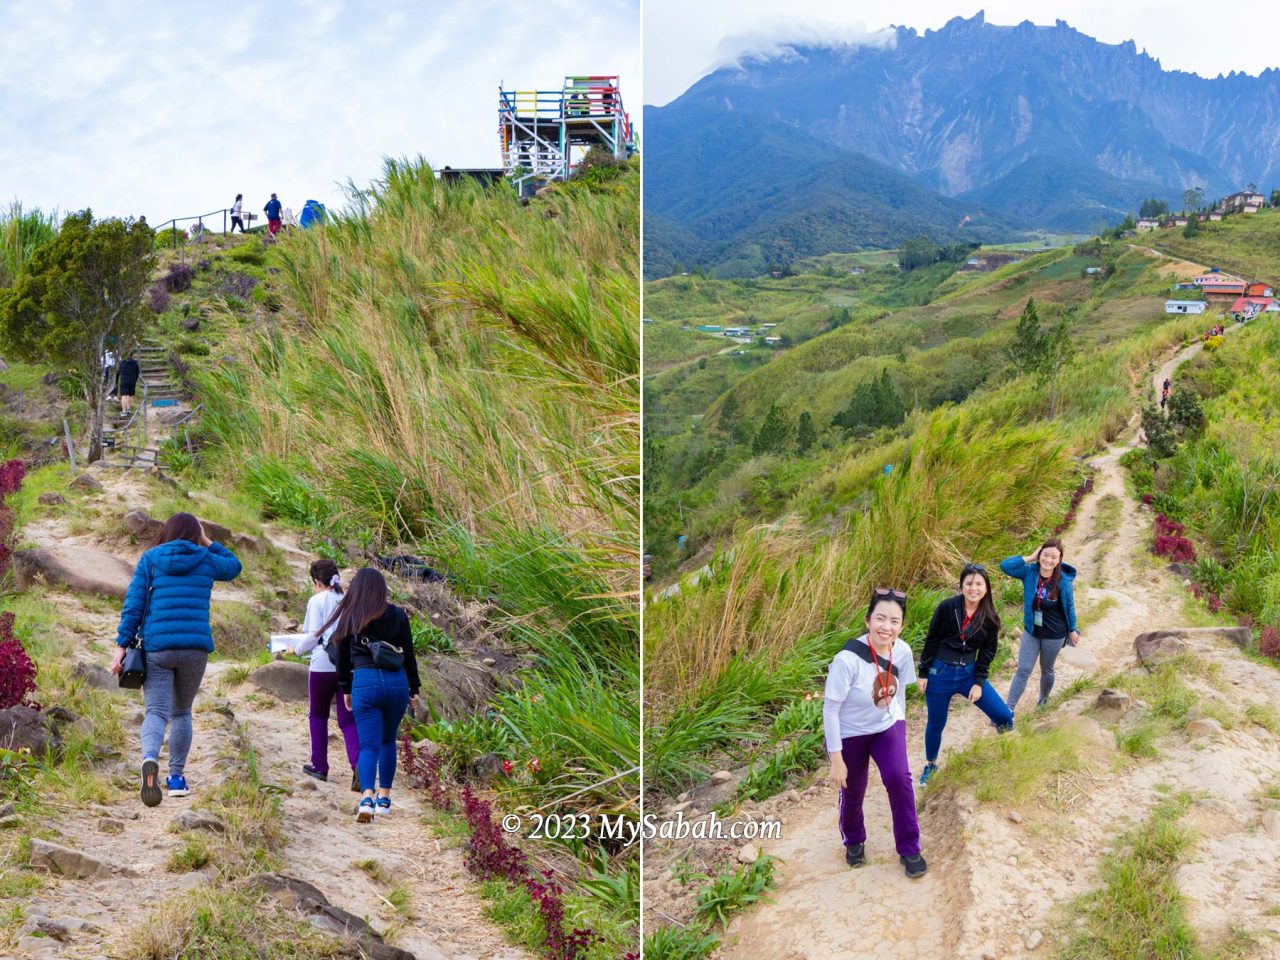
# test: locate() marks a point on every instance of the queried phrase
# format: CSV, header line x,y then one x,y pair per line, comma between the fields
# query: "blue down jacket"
x,y
180,575
1029,574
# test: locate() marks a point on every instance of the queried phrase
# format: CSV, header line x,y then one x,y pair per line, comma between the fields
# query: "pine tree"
x,y
806,436
774,433
1028,347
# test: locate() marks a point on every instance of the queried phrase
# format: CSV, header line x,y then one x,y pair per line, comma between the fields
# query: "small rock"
x,y
430,746
1271,823
9,822
52,499
489,662
198,820
86,482
487,767
1034,939
749,853
1114,700
683,797
95,675
680,807
792,796
287,680
141,525
6,809
1206,726
217,532
243,543
1015,816
191,323
721,776
1012,861
309,784
110,825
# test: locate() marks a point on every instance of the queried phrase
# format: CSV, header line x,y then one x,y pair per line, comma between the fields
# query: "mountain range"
x,y
972,131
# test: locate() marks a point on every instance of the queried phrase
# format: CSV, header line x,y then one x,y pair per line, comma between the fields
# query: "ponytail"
x,y
326,571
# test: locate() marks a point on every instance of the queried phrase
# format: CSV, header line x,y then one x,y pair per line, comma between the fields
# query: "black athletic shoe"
x,y
151,783
355,782
855,854
915,866
311,771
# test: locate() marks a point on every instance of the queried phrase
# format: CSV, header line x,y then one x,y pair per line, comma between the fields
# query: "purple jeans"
x,y
889,750
323,688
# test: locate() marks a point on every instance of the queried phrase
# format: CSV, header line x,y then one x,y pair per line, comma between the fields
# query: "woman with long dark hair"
x,y
1048,615
378,676
322,682
863,719
956,659
168,604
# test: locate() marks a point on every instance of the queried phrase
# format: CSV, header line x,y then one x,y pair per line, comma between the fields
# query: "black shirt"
x,y
129,371
948,642
1054,626
393,627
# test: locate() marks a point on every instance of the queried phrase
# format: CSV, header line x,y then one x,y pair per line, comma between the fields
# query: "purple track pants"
x,y
889,750
323,688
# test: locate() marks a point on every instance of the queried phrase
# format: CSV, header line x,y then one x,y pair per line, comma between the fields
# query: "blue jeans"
x,y
378,701
947,680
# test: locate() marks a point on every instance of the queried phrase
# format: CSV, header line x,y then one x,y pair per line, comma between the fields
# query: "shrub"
x,y
17,669
1174,548
237,284
249,253
1212,344
179,278
159,298
1269,642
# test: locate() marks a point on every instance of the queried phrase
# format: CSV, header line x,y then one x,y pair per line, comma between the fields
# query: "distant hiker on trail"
x,y
323,679
956,658
864,718
1048,615
109,373
129,374
272,210
378,676
237,209
167,608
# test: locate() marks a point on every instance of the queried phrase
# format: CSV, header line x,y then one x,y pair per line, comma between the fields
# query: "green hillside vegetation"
x,y
705,473
1243,244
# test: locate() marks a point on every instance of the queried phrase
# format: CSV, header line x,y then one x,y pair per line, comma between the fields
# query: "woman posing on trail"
x,y
1048,615
956,658
167,604
322,681
378,675
864,718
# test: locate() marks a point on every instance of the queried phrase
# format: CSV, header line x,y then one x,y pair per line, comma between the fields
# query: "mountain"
x,y
1042,125
742,192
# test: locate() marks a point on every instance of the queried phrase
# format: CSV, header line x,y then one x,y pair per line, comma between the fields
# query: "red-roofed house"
x,y
1258,290
1220,285
1245,308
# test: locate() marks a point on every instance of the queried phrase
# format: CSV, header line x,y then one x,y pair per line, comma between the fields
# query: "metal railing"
x,y
180,238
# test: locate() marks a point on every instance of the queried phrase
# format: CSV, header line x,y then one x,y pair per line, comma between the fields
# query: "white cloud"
x,y
780,38
170,109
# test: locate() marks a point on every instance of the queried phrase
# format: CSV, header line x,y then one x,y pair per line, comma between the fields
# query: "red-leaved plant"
x,y
17,670
1080,493
1269,642
1170,542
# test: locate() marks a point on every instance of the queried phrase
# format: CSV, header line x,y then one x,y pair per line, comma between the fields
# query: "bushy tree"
x,y
78,294
1185,413
918,252
774,433
1192,228
874,403
1151,208
1275,197
1028,341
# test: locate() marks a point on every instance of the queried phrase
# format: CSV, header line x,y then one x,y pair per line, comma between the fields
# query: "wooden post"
x,y
71,451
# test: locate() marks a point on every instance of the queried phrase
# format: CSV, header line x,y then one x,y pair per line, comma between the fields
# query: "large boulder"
x,y
283,679
142,525
1154,646
301,897
77,568
95,675
56,858
216,531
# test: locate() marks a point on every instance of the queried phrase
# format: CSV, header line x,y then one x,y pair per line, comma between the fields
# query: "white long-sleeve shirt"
x,y
319,609
848,710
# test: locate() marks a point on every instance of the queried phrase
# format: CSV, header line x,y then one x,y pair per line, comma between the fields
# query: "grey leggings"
x,y
173,679
1032,648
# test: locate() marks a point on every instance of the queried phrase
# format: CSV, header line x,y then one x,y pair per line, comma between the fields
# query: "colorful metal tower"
x,y
545,133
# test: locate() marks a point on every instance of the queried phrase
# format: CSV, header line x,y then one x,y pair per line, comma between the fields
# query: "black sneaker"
x,y
311,771
915,866
151,783
355,782
855,854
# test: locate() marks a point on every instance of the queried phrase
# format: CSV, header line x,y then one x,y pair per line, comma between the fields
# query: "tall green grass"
x,y
21,233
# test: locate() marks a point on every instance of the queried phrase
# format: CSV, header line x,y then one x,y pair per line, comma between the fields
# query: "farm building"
x,y
1184,306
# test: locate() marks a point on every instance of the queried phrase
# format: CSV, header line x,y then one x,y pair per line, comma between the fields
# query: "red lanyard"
x,y
1042,583
965,626
882,679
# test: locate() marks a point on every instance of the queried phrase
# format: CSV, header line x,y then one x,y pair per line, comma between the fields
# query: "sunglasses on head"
x,y
973,568
889,592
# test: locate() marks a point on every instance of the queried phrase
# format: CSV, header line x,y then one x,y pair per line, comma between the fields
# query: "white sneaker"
x,y
364,812
383,805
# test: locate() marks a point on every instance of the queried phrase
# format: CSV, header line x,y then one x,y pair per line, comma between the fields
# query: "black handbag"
x,y
133,670
385,656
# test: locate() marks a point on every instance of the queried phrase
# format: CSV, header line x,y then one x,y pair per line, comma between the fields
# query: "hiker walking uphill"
x,y
956,659
129,373
167,609
272,210
322,682
1048,615
378,676
237,209
864,718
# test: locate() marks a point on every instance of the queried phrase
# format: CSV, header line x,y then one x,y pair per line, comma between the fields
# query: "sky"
x,y
170,108
684,41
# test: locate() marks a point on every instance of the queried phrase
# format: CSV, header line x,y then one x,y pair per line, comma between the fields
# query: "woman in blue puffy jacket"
x,y
1048,615
168,606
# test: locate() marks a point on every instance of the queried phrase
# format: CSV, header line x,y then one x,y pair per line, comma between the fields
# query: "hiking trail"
x,y
996,872
96,917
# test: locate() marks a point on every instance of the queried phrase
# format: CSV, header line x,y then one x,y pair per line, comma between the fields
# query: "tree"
x,y
1185,413
728,419
1059,350
1028,344
874,403
918,252
1275,198
1199,193
1192,228
76,296
1152,208
806,436
774,433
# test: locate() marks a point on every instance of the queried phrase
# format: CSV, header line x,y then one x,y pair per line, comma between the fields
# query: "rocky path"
x,y
110,856
997,873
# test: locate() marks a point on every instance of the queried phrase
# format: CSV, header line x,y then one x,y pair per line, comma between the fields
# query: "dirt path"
x,y
442,918
995,874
